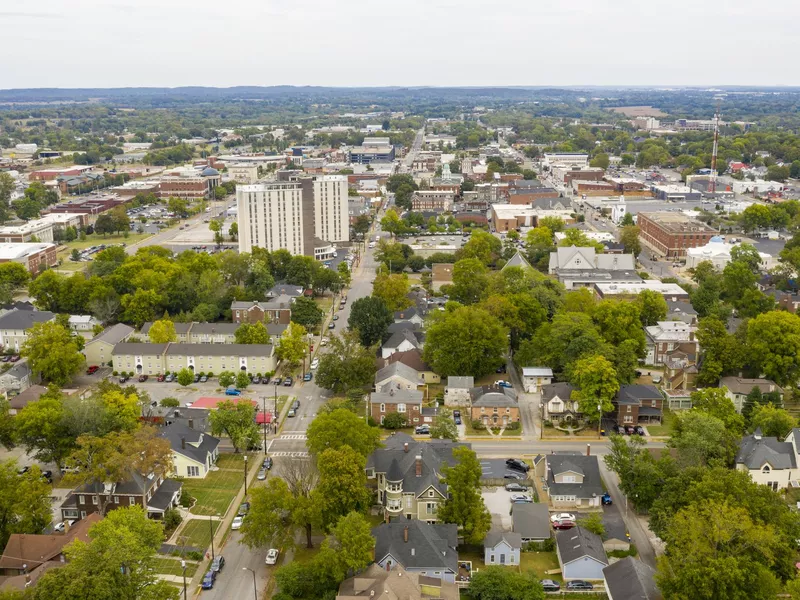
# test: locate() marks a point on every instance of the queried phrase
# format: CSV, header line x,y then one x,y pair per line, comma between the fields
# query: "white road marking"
x,y
291,454
296,436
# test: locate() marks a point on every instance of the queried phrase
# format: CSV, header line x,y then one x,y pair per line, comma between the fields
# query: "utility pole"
x,y
712,187
264,410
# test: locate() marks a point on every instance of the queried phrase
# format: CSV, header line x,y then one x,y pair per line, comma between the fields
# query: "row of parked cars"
x,y
10,358
552,586
628,430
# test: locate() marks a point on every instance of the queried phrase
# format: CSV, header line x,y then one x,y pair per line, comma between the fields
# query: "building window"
x,y
627,419
116,499
491,558
383,408
131,500
766,469
193,471
629,408
432,508
654,403
82,499
94,500
408,501
401,408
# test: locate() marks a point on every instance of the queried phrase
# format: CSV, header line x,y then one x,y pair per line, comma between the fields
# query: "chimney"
x,y
183,443
419,465
405,447
588,449
405,534
191,423
66,527
413,552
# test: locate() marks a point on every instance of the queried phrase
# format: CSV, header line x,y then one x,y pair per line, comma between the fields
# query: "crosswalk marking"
x,y
290,454
293,436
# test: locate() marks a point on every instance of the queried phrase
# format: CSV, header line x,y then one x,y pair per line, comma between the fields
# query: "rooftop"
x,y
675,222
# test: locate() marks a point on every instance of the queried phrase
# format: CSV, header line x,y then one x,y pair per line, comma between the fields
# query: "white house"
x,y
82,322
557,402
533,378
502,548
769,462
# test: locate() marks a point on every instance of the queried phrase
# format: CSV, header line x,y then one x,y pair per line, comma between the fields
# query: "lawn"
x,y
215,492
170,566
540,563
468,429
197,533
666,425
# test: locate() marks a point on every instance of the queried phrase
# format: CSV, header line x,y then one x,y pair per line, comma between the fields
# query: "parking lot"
x,y
498,501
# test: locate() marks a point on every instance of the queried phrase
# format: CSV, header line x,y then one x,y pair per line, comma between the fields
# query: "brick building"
x,y
638,404
405,402
435,200
590,174
670,234
529,195
278,310
35,257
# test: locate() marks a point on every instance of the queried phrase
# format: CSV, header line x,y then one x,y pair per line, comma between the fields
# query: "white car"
x,y
562,517
315,363
324,341
272,556
521,498
237,523
63,525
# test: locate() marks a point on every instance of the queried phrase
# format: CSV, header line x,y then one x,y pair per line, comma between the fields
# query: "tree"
x,y
227,379
393,290
370,317
593,522
347,365
394,420
237,421
627,219
554,224
292,345
597,384
141,306
620,321
722,352
233,231
353,542
169,403
500,583
483,246
268,522
755,216
7,187
306,312
391,222
162,332
216,226
700,437
342,483
773,421
27,208
652,307
600,160
444,427
715,402
185,377
341,427
252,334
344,273
177,206
104,224
120,219
465,341
117,562
13,277
242,380
24,501
41,428
773,341
470,281
464,505
52,351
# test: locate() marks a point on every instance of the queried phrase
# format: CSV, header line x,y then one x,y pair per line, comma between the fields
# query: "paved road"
x,y
405,166
234,581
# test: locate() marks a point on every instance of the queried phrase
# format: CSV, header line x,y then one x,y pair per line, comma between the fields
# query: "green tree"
x,y
600,160
483,246
444,427
347,365
252,334
722,352
292,345
554,224
237,421
24,501
185,377
627,219
395,420
597,384
371,318
501,583
344,273
13,277
268,522
716,403
773,421
242,380
593,522
352,542
391,222
773,344
42,429
341,427
162,332
465,341
7,187
342,483
393,290
169,403
227,378
620,321
233,231
701,437
652,307
470,281
52,351
464,505
216,226
306,312
141,306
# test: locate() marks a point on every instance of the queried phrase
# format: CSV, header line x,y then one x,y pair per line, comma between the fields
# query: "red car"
x,y
92,370
563,524
15,358
160,378
142,378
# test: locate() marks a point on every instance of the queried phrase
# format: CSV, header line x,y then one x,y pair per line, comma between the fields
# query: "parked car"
x,y
521,498
514,475
161,378
579,584
208,580
639,430
237,523
196,378
262,474
277,381
6,358
564,524
457,417
203,379
314,363
307,376
218,563
606,499
272,556
331,325
548,585
500,369
233,392
169,378
15,358
48,475
267,464
244,508
288,382
503,383
324,341
92,370
256,379
516,464
516,487
562,517
629,430
656,379
422,430
142,378
61,527
123,378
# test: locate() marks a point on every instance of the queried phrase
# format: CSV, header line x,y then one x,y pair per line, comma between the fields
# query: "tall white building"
x,y
304,215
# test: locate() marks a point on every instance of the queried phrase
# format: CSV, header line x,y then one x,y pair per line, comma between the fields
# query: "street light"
x,y
183,566
599,418
211,530
245,474
255,589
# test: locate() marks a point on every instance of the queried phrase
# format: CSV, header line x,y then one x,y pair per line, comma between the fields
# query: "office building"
x,y
671,234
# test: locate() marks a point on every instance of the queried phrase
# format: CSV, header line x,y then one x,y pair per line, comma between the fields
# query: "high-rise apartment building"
x,y
304,215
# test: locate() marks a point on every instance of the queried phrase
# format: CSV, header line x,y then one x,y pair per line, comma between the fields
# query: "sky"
x,y
170,43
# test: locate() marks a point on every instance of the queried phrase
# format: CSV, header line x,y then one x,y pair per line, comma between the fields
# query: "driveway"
x,y
498,501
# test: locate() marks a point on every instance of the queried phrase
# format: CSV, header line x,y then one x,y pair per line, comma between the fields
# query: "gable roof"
x,y
428,546
24,319
494,537
576,543
636,392
113,335
19,371
493,396
631,579
397,369
393,396
395,584
33,550
461,383
197,444
755,451
531,521
140,348
517,261
399,337
406,314
403,326
742,385
584,465
180,328
411,358
562,390
537,372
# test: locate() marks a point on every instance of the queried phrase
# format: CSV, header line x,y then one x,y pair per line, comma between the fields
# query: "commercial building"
x,y
569,174
244,173
672,234
34,257
55,173
508,217
153,359
372,149
37,229
565,159
584,267
434,200
304,216
675,193
528,195
670,291
718,253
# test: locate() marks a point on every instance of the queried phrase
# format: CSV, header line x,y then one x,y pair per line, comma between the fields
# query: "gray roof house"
x,y
402,341
573,480
181,331
98,350
531,522
739,387
769,461
518,260
583,267
418,547
18,378
402,376
193,451
580,554
631,579
15,324
456,392
409,314
502,548
402,326
557,402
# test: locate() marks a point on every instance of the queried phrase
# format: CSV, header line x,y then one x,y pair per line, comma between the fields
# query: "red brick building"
x,y
405,402
278,310
34,256
591,174
528,195
670,234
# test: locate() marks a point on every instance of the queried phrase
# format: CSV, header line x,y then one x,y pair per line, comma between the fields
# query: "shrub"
x,y
549,545
622,553
394,421
513,426
172,518
210,374
115,373
187,501
170,402
194,555
478,425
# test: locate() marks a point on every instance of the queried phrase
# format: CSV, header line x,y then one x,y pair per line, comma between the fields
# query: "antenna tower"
x,y
712,186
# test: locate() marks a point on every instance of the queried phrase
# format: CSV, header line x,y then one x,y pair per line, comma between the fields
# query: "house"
x,y
502,548
413,359
518,260
456,392
403,326
441,274
419,547
402,341
83,322
533,378
27,556
494,406
557,403
681,310
193,452
680,373
531,521
409,314
18,378
21,400
213,333
284,289
739,387
636,403
181,332
397,376
584,267
769,462
395,584
18,305
405,402
98,350
666,336
276,310
573,480
155,494
631,579
15,324
152,359
408,474
580,554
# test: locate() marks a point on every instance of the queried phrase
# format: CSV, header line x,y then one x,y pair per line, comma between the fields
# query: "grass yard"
x,y
215,493
666,424
540,563
169,566
197,533
469,430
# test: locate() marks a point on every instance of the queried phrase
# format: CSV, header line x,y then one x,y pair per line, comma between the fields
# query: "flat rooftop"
x,y
678,222
665,289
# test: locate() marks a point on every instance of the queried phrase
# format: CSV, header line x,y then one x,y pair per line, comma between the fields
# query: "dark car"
x,y
288,382
629,430
513,475
256,379
23,470
501,369
196,378
208,580
606,499
457,418
218,563
244,508
331,325
579,584
335,317
15,358
123,378
203,379
422,430
639,430
548,585
307,376
48,475
267,464
516,487
277,381
6,358
142,378
516,464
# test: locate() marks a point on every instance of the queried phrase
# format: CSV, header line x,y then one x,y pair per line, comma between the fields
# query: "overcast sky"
x,y
116,43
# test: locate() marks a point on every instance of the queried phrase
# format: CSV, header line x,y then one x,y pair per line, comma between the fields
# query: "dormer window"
x,y
765,469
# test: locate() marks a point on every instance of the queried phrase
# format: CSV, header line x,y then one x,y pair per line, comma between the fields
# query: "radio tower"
x,y
712,184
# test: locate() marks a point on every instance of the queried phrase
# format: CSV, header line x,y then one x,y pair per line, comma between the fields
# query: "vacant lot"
x,y
197,533
215,493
